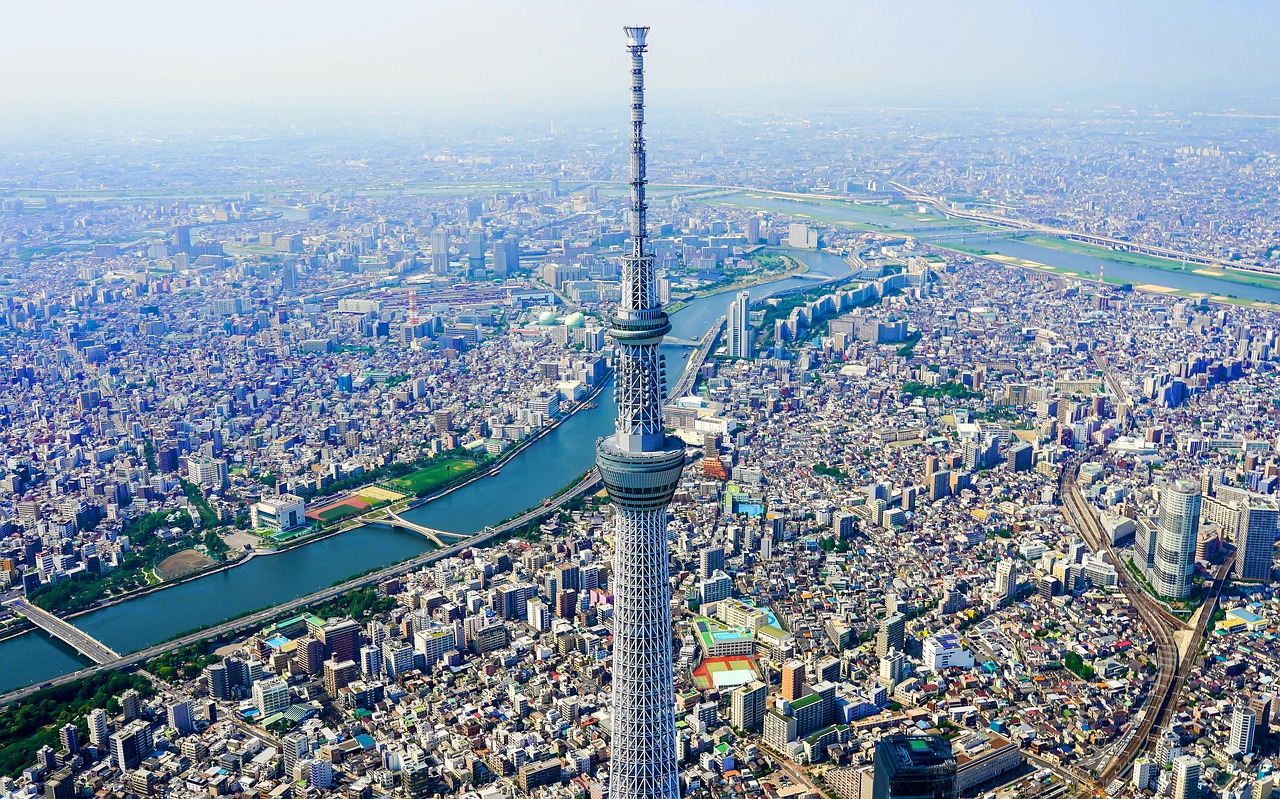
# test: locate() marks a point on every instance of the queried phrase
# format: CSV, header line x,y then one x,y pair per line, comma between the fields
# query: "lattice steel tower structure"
x,y
640,467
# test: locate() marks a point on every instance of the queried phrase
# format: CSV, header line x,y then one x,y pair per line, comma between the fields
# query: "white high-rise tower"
x,y
738,342
640,467
1179,523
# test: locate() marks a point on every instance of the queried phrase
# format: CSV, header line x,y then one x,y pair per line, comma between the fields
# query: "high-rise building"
x,y
341,639
1255,541
475,249
738,332
131,704
1175,554
914,767
1006,578
1243,724
893,668
641,467
296,747
133,743
60,785
1186,777
182,238
506,255
748,705
440,251
182,717
69,738
892,634
217,680
309,655
270,696
1261,706
710,560
97,722
792,680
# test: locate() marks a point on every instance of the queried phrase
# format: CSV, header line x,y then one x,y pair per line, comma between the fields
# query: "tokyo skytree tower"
x,y
641,467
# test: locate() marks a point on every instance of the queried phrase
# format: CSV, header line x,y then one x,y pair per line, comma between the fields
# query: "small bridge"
x,y
442,538
68,633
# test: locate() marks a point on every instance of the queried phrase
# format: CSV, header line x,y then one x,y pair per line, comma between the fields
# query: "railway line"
x,y
1173,669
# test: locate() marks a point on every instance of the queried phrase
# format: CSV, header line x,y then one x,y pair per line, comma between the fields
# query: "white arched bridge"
x,y
442,538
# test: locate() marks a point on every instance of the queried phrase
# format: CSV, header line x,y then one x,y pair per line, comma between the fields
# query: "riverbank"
x,y
1239,276
1150,288
348,525
797,268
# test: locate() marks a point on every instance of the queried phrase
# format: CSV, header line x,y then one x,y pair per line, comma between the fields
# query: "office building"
x,y
737,330
1255,541
710,560
440,252
279,513
1176,530
182,717
914,767
506,255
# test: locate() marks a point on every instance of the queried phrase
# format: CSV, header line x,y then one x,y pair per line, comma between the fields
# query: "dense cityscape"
x,y
852,453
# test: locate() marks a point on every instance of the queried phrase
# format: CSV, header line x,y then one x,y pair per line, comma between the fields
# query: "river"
x,y
909,225
1137,275
545,467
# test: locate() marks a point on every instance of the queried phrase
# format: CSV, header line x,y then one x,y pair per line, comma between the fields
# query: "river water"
x,y
909,225
1184,280
545,467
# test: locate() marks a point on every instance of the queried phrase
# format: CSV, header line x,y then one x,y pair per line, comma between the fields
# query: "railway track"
x,y
1173,670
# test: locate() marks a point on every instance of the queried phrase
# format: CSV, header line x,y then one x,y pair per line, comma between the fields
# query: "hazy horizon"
x,y
89,60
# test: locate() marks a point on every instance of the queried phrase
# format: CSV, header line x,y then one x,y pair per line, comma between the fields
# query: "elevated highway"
x,y
687,380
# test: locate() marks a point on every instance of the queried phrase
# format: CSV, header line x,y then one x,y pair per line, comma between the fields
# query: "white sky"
x,y
72,55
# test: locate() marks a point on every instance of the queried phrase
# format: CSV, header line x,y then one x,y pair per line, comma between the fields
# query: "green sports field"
x,y
430,477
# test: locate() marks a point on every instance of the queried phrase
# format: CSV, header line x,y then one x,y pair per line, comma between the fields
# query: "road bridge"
x,y
68,633
442,538
245,623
